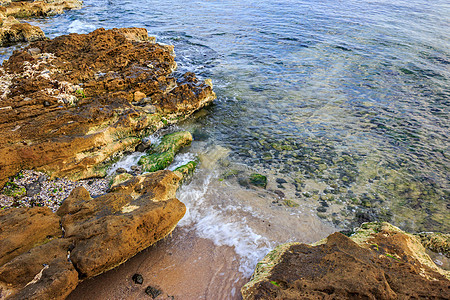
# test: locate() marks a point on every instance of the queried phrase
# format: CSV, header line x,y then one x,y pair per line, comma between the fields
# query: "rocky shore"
x,y
69,107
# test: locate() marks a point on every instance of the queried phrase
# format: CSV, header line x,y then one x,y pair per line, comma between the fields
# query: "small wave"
x,y
80,27
126,162
211,223
181,159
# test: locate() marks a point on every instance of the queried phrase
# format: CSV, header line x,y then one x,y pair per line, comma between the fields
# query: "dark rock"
x,y
279,194
321,209
137,278
280,181
46,104
144,146
324,203
244,182
33,188
121,170
153,292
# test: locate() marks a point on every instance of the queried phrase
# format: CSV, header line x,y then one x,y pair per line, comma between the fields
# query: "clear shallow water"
x,y
346,101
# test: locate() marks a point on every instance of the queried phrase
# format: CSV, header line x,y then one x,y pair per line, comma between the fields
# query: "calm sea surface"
x,y
344,105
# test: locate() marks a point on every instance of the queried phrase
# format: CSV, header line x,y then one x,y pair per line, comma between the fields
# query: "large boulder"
x,y
114,227
378,262
45,254
69,104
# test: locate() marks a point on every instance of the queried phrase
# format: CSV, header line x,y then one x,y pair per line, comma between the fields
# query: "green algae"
x,y
161,156
290,203
14,190
187,169
258,180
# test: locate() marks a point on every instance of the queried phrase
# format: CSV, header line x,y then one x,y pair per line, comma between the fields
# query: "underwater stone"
x,y
258,180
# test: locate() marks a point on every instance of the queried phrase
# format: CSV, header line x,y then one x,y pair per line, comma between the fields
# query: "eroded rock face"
x,y
99,234
112,228
68,104
24,229
380,262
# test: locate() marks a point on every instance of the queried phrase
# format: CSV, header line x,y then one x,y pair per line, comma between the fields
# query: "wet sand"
x,y
182,265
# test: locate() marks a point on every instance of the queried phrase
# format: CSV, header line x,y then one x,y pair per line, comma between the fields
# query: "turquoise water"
x,y
346,101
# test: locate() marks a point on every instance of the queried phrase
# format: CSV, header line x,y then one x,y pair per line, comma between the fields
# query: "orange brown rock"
x,y
95,235
384,264
67,104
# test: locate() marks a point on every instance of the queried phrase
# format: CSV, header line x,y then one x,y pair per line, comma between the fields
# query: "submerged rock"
x,y
41,259
378,262
258,180
66,105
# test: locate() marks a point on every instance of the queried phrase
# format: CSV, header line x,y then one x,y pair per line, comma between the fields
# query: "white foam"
x,y
181,159
78,26
126,162
153,139
211,222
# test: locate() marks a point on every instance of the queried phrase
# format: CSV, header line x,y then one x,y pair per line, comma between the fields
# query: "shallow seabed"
x,y
344,105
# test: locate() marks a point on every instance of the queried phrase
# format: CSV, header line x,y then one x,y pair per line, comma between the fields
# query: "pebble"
x,y
52,192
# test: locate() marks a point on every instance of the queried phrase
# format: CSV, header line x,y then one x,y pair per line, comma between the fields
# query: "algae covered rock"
x,y
162,155
378,262
186,170
436,242
258,180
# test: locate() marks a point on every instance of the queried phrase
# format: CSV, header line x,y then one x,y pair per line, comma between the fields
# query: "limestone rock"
x,y
12,31
114,227
44,272
69,107
378,262
55,282
38,261
24,228
24,9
